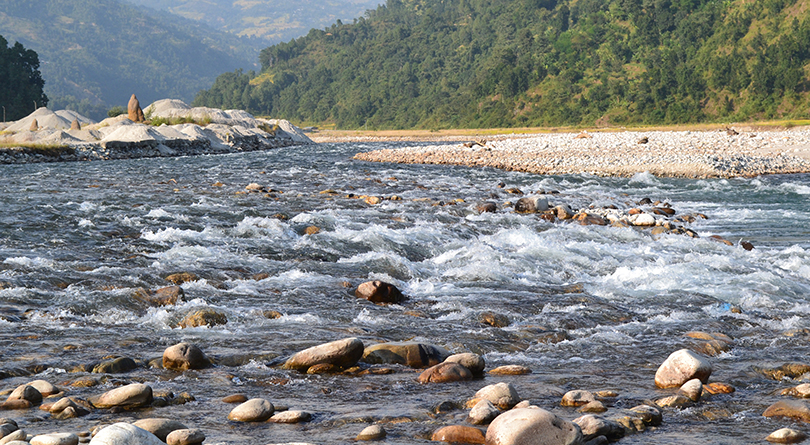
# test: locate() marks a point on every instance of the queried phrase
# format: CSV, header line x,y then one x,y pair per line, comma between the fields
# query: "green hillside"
x,y
96,53
270,21
489,63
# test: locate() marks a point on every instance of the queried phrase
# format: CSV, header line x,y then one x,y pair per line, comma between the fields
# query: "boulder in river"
x,y
474,362
343,353
414,355
133,395
503,395
459,434
444,373
184,356
160,427
680,367
379,292
254,410
795,409
532,426
124,433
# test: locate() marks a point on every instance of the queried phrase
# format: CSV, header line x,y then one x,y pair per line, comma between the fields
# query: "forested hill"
x,y
97,53
492,63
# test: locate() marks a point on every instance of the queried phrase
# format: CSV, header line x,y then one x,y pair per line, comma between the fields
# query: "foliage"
x,y
50,150
488,63
21,85
116,111
97,53
177,120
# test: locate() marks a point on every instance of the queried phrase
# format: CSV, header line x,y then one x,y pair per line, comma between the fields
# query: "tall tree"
x,y
20,81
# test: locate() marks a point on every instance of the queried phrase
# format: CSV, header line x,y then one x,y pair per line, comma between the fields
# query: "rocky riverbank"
x,y
64,136
689,154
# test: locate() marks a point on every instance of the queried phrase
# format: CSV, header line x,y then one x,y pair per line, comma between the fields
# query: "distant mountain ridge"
x,y
96,53
270,21
492,63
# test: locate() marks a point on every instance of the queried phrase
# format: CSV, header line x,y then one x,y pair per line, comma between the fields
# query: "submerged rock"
x,y
414,355
444,373
459,434
379,292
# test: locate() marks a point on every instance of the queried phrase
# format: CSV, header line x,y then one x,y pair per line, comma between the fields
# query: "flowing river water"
x,y
589,307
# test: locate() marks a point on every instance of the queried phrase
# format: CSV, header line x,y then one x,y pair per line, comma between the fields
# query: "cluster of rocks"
x,y
690,154
48,136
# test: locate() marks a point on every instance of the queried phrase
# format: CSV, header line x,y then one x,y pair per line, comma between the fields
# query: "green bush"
x,y
116,111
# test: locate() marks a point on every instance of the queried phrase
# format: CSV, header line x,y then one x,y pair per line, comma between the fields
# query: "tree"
x,y
21,86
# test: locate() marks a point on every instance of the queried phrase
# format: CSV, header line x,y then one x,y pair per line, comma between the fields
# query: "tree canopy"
x,y
492,63
21,91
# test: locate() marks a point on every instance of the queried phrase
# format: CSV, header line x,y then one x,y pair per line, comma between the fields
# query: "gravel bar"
x,y
688,154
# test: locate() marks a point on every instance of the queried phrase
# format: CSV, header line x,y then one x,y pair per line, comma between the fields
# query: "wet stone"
x,y
372,432
26,392
483,413
593,407
181,277
445,373
681,366
510,370
459,434
533,426
786,435
492,319
414,355
594,426
159,427
185,437
235,398
343,353
503,395
254,410
577,398
124,433
379,292
202,317
794,409
130,396
692,390
291,416
184,356
474,362
118,365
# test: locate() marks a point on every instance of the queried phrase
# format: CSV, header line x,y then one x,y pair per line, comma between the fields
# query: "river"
x,y
589,307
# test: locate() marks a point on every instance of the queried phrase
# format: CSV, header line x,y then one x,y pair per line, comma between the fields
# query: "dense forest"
x,y
21,86
493,63
270,21
97,53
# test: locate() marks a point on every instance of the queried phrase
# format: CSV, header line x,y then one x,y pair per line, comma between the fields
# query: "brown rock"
x,y
373,432
487,207
341,353
414,355
235,398
311,230
474,362
203,317
75,125
459,434
15,404
134,111
26,392
593,407
718,388
165,296
577,398
291,416
493,319
34,125
692,390
445,373
184,356
254,410
181,277
117,365
595,426
503,395
794,409
379,292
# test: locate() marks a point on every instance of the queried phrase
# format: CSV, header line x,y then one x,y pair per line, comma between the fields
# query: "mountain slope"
x,y
102,51
484,63
271,21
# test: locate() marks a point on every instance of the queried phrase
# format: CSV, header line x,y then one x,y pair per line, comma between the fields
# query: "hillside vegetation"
x,y
489,63
270,21
96,53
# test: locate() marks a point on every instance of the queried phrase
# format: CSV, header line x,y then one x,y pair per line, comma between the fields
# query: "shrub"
x,y
116,111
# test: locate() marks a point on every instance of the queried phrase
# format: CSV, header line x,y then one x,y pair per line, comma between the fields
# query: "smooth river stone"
x,y
503,395
16,435
445,373
125,434
185,437
130,396
184,356
373,432
510,370
379,292
411,354
160,427
44,387
795,409
459,434
595,426
532,426
786,435
55,439
26,392
341,353
291,416
474,362
254,410
680,367
483,413
577,397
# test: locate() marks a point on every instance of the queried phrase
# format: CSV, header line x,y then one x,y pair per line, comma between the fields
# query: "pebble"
x,y
372,432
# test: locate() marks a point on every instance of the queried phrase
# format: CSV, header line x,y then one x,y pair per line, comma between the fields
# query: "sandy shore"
x,y
690,154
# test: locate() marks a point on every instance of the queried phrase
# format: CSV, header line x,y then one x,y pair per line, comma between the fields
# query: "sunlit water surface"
x,y
590,307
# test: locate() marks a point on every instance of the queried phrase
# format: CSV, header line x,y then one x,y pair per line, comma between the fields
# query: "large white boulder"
x,y
125,434
532,426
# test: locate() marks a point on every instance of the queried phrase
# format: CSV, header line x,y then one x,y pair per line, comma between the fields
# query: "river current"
x,y
589,307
